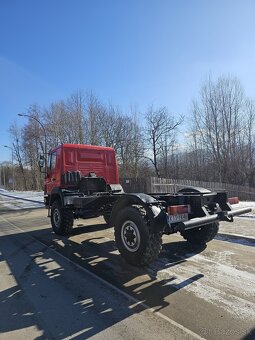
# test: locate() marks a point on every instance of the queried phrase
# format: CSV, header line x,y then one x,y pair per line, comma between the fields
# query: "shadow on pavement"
x,y
245,241
100,255
250,335
42,279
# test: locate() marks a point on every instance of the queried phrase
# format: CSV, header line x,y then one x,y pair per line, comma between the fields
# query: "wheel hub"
x,y
130,236
56,217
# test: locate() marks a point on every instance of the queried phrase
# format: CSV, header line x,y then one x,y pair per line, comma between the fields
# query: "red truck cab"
x,y
72,159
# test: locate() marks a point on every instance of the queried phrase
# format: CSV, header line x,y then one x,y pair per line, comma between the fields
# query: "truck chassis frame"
x,y
139,219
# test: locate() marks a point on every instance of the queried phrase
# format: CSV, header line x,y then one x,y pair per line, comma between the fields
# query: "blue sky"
x,y
128,52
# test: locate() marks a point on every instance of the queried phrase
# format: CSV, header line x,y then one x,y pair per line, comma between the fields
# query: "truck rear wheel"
x,y
61,219
202,234
135,239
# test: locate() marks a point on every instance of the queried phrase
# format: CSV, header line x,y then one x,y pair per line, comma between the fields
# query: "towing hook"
x,y
228,218
224,216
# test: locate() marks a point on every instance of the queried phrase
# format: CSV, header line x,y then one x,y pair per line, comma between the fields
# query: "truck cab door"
x,y
52,179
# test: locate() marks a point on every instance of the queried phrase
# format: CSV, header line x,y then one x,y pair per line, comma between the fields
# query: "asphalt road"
x,y
80,287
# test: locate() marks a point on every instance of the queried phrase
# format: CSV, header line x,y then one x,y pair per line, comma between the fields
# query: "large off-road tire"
x,y
61,219
137,242
202,234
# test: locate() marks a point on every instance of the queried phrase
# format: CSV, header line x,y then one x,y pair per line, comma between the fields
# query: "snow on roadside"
x,y
16,200
243,204
33,195
242,229
246,204
222,284
36,197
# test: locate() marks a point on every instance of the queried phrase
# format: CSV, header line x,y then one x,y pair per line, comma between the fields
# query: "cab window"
x,y
53,159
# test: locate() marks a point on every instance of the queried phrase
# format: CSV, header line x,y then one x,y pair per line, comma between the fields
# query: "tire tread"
x,y
154,240
201,235
66,219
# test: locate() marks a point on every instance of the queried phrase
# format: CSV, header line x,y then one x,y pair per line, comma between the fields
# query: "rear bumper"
x,y
221,216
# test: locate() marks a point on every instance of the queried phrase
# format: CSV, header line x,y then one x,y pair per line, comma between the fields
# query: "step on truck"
x,y
82,181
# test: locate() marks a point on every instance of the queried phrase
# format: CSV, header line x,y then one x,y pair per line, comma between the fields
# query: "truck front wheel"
x,y
137,242
61,219
202,234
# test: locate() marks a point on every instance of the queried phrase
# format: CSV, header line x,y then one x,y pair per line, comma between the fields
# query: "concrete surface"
x,y
192,293
43,295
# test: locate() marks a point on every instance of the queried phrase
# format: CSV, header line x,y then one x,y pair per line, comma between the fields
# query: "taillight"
x,y
233,200
177,209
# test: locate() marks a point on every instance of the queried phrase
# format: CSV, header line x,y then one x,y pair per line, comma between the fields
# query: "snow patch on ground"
x,y
246,204
223,285
16,200
35,195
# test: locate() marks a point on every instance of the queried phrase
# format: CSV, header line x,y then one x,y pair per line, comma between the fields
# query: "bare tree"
x,y
111,126
160,133
122,133
85,119
95,111
223,120
75,106
64,122
33,145
131,150
249,152
16,136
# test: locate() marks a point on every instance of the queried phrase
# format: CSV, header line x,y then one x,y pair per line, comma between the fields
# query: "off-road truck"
x,y
82,181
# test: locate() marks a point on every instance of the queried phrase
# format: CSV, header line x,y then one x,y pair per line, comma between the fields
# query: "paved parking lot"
x,y
186,293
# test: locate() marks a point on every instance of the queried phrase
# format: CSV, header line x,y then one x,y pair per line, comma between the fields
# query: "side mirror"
x,y
41,162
